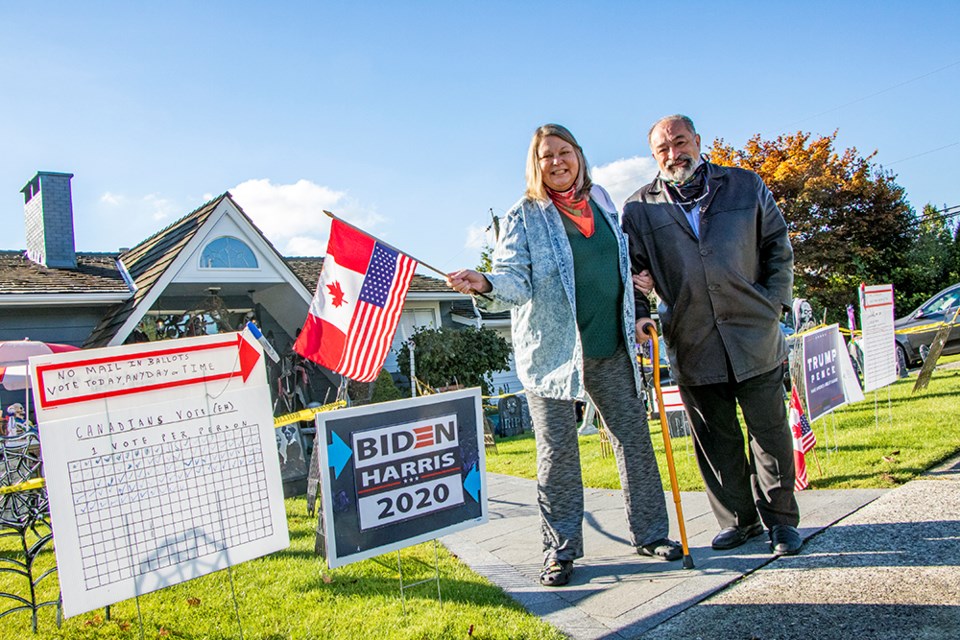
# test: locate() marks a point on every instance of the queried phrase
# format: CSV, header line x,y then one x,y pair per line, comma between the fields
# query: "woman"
x,y
561,267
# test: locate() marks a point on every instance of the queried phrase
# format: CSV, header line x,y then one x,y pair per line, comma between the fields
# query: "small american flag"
x,y
801,482
378,311
804,439
356,308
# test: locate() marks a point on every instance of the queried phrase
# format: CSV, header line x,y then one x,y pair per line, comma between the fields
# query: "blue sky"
x,y
412,119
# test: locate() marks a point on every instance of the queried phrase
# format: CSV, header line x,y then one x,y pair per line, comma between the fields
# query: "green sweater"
x,y
596,276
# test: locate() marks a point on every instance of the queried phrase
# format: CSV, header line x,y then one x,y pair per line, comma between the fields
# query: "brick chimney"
x,y
48,212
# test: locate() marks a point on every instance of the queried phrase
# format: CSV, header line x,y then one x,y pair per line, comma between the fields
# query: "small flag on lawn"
x,y
803,439
357,304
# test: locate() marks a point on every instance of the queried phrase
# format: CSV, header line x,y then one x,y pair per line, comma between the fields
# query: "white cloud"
x,y
291,215
306,246
622,177
152,205
477,237
160,208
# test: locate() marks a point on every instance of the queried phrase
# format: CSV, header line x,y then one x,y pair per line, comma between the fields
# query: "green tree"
x,y
448,356
931,260
486,253
849,220
384,389
955,256
486,259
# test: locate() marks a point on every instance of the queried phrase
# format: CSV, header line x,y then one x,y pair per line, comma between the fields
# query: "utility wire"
x,y
946,146
939,214
872,95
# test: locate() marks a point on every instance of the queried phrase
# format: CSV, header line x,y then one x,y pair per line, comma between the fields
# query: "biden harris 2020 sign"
x,y
399,473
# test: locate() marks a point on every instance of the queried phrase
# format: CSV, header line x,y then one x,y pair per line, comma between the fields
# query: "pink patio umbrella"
x,y
14,377
19,351
14,357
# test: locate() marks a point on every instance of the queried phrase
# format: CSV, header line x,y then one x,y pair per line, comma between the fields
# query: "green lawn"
x,y
857,446
290,594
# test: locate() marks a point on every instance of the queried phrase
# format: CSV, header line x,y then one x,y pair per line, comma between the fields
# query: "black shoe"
x,y
556,573
664,549
786,540
735,536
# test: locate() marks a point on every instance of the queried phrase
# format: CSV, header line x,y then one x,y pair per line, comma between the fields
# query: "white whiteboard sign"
x,y
879,344
161,464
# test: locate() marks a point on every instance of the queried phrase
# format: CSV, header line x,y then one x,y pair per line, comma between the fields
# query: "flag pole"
x,y
390,246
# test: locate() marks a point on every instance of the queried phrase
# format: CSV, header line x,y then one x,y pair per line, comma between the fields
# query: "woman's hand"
x,y
644,325
468,281
643,282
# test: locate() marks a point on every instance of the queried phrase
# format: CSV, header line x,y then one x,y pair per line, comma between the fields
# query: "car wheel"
x,y
902,357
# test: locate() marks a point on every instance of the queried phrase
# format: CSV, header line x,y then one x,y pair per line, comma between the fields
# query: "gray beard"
x,y
682,174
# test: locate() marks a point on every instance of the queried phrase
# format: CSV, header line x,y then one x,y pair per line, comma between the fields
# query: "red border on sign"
x,y
875,290
43,369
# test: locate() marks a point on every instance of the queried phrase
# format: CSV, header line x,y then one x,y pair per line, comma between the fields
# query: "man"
x,y
716,246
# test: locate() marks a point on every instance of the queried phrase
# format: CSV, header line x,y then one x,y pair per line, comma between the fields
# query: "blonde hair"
x,y
536,190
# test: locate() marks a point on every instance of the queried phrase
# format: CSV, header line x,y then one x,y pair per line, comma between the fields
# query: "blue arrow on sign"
x,y
338,454
472,483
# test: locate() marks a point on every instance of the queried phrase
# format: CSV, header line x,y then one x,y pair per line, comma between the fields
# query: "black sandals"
x,y
664,549
556,573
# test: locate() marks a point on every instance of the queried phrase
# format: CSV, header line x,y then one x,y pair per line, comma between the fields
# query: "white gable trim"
x,y
225,216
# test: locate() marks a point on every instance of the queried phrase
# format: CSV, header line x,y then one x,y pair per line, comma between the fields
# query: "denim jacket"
x,y
532,276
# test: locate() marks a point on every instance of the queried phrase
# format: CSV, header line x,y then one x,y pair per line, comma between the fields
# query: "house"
x,y
209,271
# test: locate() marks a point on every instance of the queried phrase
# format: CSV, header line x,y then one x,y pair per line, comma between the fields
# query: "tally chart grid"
x,y
143,509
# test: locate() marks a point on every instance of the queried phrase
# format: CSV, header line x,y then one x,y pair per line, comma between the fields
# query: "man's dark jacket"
x,y
722,295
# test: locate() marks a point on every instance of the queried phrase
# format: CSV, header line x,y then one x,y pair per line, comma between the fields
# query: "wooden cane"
x,y
667,447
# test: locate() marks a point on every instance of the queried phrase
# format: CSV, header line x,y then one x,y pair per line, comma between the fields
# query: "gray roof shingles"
x,y
146,263
95,273
307,271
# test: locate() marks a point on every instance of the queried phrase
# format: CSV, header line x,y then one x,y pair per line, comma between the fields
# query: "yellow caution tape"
x,y
934,326
28,485
504,395
306,415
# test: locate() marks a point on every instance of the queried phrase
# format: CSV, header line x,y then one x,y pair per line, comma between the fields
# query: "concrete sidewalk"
x,y
876,553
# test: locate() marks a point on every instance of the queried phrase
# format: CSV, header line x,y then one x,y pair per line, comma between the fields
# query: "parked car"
x,y
942,307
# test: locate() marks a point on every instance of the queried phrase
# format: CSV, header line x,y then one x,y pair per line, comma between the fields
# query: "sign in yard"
x,y
399,473
161,464
936,348
878,343
676,412
829,379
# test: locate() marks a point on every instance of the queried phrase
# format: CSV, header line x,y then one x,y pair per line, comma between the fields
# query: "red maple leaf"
x,y
336,293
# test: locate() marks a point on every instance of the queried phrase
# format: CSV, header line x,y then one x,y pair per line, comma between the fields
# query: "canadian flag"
x,y
356,307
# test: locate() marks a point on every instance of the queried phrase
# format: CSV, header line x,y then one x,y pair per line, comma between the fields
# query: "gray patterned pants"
x,y
609,381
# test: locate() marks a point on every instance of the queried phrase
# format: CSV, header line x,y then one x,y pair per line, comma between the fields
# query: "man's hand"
x,y
642,325
643,282
468,281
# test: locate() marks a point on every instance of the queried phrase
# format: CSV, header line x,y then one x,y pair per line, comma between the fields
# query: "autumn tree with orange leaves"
x,y
849,220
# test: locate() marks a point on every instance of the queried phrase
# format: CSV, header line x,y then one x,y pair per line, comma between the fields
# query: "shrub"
x,y
448,356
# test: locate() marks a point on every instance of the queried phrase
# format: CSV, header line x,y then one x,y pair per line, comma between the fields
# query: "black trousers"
x,y
742,488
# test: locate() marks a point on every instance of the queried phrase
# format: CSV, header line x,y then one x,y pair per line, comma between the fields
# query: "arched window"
x,y
228,253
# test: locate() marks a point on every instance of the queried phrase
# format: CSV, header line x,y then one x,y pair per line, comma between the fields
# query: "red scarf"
x,y
578,210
